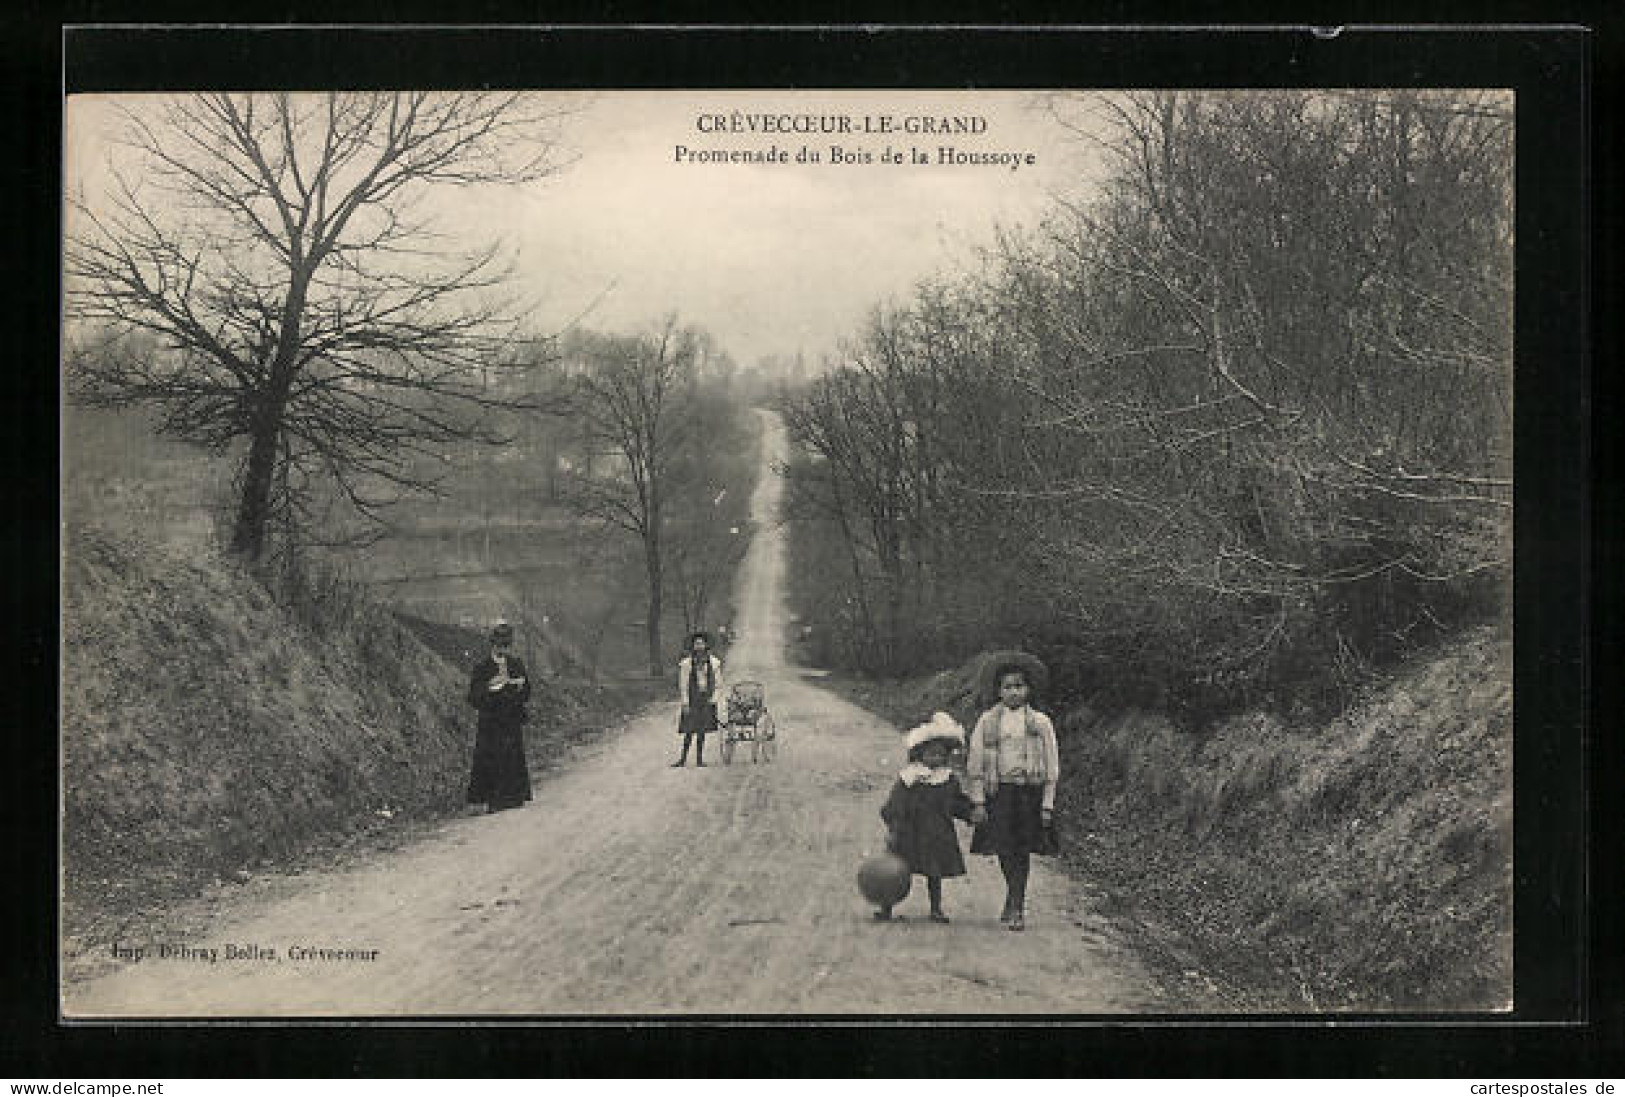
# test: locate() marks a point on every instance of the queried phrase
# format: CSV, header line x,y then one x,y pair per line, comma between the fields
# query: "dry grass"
x,y
1361,865
205,730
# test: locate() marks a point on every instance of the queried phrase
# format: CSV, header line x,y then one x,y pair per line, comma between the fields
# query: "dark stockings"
x,y
699,748
933,888
1014,866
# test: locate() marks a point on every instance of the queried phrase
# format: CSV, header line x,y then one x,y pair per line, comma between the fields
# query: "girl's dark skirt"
x,y
697,718
1015,823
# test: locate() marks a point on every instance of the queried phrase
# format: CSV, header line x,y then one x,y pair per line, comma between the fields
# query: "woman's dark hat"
x,y
995,664
501,631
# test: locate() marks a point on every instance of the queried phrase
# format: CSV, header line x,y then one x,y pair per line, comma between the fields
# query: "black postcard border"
x,y
1568,1002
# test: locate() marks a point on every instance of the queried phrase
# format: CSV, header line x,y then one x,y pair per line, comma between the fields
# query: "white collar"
x,y
919,773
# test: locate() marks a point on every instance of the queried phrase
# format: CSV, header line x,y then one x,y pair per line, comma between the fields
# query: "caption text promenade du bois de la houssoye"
x,y
843,140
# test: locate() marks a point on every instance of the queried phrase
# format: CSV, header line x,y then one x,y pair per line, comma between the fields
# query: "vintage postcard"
x,y
728,554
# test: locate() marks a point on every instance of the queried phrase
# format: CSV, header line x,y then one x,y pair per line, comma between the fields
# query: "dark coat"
x,y
921,821
500,776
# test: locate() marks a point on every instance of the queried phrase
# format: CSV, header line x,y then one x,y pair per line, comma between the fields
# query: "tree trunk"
x,y
864,636
254,505
891,568
651,557
651,560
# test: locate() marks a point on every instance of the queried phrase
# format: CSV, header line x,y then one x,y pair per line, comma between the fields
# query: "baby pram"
x,y
749,722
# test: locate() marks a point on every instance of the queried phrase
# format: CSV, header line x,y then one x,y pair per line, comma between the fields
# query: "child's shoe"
x,y
938,916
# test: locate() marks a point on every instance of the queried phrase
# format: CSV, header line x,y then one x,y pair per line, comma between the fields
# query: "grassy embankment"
x,y
1359,864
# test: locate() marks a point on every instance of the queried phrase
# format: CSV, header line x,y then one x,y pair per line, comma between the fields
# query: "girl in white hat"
x,y
920,812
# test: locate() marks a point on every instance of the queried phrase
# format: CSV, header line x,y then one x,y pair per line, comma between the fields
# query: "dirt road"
x,y
628,887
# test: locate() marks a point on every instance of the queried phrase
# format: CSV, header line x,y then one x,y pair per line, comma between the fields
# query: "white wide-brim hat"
x,y
940,726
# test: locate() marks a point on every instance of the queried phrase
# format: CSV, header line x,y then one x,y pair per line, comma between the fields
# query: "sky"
x,y
771,259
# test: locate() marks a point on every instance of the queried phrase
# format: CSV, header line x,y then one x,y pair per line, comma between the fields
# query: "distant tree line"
x,y
1235,425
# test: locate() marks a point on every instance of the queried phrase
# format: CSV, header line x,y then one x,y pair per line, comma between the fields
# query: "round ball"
x,y
884,879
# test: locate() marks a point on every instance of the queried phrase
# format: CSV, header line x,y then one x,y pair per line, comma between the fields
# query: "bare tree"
x,y
1290,360
629,401
278,249
1242,410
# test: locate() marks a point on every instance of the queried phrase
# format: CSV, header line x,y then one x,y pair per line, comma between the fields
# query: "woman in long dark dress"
x,y
499,688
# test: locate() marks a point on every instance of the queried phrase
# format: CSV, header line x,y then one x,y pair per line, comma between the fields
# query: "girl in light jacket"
x,y
1012,767
699,689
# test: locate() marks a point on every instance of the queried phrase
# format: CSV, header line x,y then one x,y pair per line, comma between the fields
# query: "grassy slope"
x,y
206,731
1365,864
1361,865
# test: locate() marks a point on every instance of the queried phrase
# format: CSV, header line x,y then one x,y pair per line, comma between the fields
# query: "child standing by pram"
x,y
920,812
700,692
